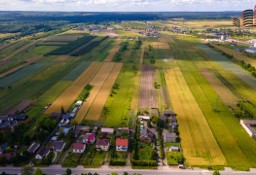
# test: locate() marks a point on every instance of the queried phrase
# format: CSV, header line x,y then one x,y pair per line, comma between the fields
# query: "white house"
x,y
249,125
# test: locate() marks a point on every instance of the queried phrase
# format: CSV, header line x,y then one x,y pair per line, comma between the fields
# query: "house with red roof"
x,y
122,145
89,138
78,147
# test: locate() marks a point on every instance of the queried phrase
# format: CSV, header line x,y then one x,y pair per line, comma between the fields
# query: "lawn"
x,y
145,152
92,158
72,160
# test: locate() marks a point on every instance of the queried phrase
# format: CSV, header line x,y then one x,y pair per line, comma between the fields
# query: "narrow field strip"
x,y
21,49
113,51
198,143
73,91
29,61
97,81
101,98
238,55
224,93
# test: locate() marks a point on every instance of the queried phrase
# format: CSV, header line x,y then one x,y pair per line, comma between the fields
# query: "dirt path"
x,y
113,51
66,99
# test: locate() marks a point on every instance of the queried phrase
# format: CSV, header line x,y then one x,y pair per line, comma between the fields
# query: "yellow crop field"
x,y
97,82
66,99
101,98
198,143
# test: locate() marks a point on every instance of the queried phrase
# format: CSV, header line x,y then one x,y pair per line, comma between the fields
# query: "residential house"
x,y
33,147
107,130
18,117
169,113
146,136
58,146
121,145
56,115
249,126
89,138
102,145
170,137
78,147
81,130
43,153
143,118
174,148
121,131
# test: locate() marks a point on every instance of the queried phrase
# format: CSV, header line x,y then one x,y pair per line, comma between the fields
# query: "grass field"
x,y
118,105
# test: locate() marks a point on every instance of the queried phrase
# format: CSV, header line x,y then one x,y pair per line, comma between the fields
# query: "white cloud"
x,y
127,5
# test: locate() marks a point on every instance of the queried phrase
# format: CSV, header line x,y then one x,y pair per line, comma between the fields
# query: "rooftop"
x,y
121,142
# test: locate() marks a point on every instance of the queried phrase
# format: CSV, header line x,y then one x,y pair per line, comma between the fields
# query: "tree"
x,y
68,171
216,173
27,170
38,171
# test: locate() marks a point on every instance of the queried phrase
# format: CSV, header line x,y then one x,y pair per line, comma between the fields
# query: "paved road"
x,y
104,170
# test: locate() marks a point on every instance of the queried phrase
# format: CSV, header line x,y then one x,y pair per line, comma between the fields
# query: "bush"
x,y
144,162
117,162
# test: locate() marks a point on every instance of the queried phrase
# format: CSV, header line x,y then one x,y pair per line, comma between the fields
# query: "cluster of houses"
x,y
85,135
11,120
170,134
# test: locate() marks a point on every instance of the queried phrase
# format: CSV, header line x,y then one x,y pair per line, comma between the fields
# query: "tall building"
x,y
247,18
236,22
254,15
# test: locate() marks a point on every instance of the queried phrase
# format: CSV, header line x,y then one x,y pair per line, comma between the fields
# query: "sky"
x,y
126,5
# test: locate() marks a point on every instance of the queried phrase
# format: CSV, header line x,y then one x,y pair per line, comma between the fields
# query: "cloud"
x,y
127,5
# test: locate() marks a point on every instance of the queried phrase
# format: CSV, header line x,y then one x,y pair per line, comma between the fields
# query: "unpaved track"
x,y
66,99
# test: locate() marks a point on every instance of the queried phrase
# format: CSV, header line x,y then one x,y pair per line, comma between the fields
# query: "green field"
x,y
233,140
